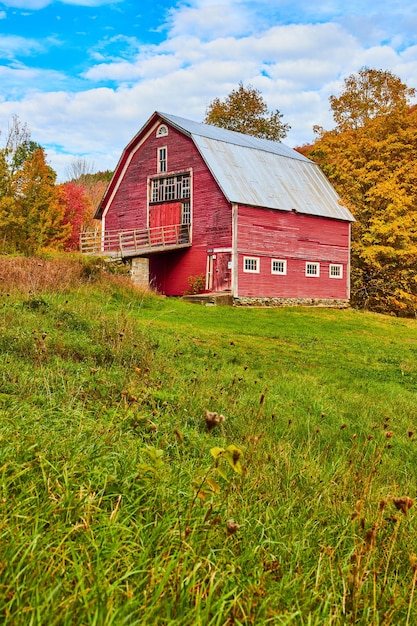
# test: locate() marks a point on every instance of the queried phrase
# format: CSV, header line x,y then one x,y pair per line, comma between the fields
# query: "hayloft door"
x,y
162,218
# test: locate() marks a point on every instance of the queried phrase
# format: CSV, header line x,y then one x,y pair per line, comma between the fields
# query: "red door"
x,y
162,219
222,271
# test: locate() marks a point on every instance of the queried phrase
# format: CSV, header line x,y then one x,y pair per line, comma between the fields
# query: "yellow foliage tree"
x,y
373,167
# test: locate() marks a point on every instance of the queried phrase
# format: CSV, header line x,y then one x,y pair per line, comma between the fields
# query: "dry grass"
x,y
34,275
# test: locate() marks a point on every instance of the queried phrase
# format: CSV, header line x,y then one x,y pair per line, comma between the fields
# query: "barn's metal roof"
x,y
264,173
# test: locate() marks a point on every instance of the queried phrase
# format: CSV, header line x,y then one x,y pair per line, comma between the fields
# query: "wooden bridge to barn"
x,y
123,244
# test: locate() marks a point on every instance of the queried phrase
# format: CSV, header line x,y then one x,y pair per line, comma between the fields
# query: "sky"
x,y
85,75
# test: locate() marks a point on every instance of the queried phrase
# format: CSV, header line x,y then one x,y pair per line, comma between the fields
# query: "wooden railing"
x,y
127,243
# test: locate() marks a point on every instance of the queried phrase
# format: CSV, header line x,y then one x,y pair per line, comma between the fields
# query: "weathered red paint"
x,y
270,234
259,232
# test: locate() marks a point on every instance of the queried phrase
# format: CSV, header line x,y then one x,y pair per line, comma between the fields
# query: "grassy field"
x,y
168,463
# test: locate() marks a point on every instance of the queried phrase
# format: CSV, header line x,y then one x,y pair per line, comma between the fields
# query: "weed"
x,y
197,284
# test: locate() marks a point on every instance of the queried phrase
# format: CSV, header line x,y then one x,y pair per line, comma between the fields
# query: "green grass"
x,y
112,509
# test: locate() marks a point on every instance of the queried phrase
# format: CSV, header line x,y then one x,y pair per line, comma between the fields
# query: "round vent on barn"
x,y
162,131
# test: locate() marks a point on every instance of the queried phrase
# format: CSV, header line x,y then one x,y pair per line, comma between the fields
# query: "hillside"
x,y
124,502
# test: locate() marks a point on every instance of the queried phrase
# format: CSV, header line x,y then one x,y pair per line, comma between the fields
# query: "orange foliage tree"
x,y
31,217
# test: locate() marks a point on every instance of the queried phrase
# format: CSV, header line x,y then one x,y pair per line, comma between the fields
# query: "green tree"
x,y
373,167
245,111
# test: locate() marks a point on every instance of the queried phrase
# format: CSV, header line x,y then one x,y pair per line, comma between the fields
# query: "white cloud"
x,y
203,18
10,45
205,55
146,66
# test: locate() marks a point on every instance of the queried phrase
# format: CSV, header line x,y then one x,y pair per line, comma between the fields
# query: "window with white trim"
x,y
335,271
251,264
162,159
312,269
185,213
171,188
162,131
278,266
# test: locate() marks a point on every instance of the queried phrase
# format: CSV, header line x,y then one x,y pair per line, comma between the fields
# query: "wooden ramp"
x,y
133,243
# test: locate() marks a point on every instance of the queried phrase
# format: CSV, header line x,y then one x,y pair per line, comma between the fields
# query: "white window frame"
x,y
162,131
254,261
176,187
310,266
338,267
280,272
162,159
186,213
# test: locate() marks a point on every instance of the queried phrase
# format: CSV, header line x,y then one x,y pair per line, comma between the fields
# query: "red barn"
x,y
248,216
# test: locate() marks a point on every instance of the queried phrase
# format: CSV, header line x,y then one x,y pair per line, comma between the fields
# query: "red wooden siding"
x,y
169,272
264,233
296,238
211,215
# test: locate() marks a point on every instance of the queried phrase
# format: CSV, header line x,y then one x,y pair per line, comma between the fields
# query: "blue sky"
x,y
85,75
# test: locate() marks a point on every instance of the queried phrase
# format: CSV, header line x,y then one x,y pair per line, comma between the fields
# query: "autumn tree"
x,y
75,205
245,111
30,215
369,94
371,162
41,218
92,185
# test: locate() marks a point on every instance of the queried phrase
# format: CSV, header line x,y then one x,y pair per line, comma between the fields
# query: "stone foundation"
x,y
139,271
274,302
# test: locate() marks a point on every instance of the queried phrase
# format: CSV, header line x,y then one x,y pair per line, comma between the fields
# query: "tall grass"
x,y
119,505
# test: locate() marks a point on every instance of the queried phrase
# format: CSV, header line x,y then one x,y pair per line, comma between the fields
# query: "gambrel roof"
x,y
253,171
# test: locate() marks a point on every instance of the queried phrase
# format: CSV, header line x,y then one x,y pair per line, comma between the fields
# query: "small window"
x,y
169,189
312,269
157,190
251,264
335,271
186,213
162,131
185,186
278,266
162,159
